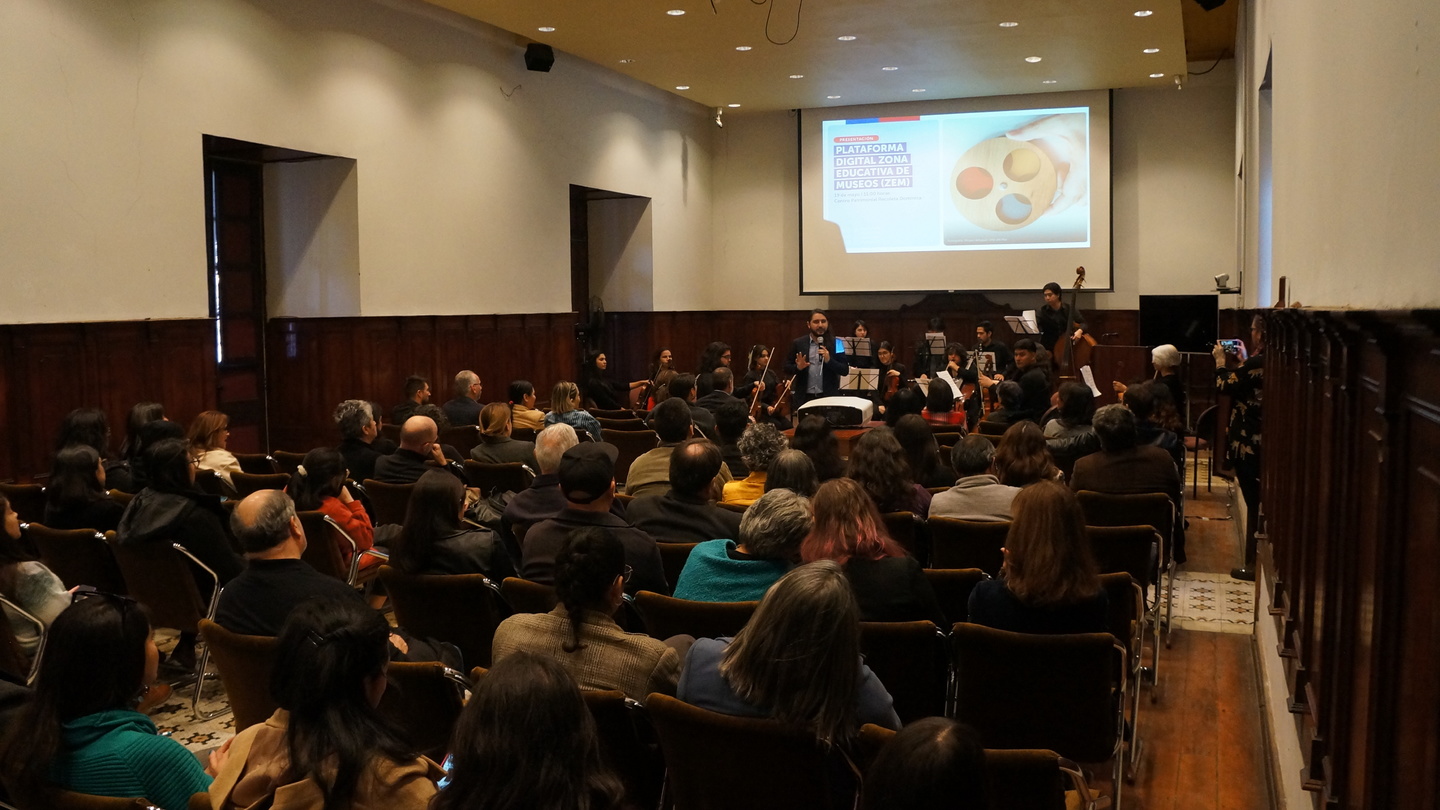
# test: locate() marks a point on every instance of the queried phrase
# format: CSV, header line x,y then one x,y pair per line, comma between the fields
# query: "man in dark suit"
x,y
418,453
687,512
464,409
820,371
417,393
1124,466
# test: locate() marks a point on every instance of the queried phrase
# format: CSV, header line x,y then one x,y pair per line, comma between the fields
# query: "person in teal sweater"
x,y
769,543
80,731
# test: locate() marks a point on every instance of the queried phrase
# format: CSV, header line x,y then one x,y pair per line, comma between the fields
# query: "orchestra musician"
x,y
892,375
759,375
1057,318
820,369
860,361
986,342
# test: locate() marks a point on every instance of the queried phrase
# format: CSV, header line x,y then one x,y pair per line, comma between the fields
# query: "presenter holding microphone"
x,y
818,370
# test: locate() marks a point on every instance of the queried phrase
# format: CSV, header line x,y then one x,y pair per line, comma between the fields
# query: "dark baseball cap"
x,y
587,470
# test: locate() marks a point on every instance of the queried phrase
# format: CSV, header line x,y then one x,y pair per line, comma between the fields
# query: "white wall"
x,y
1355,131
312,238
464,157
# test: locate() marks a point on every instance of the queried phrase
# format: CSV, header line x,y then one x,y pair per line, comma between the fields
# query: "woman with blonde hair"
x,y
565,407
208,435
1022,458
889,585
1049,582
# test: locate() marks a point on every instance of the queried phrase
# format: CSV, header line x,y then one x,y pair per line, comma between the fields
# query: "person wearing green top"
x,y
80,732
730,571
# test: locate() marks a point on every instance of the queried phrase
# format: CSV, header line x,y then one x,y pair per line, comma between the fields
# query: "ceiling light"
x,y
742,47
918,90
797,75
546,29
732,106
1032,59
682,87
1144,13
1048,81
676,12
1157,75
1009,24
627,61
847,38
1152,50
832,97
889,68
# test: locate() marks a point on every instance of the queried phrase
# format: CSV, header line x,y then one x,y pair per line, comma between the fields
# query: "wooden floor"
x,y
1203,744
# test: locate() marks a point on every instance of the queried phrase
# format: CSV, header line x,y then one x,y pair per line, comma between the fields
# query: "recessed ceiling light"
x,y
682,87
1032,59
832,97
1009,24
676,12
797,75
627,61
1152,50
732,105
1048,81
1144,12
742,47
1157,75
847,38
890,68
918,90
545,29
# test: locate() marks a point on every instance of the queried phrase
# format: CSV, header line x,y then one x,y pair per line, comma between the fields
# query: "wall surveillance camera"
x,y
1221,280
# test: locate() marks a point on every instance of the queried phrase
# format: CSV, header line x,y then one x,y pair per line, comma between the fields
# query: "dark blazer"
x,y
504,450
894,589
360,457
257,602
680,518
462,411
831,373
543,541
713,400
1146,468
994,605
402,467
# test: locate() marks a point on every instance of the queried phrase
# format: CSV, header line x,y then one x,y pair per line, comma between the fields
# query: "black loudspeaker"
x,y
539,57
1186,321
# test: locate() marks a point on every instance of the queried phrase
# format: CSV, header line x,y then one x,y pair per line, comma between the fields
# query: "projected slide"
x,y
996,180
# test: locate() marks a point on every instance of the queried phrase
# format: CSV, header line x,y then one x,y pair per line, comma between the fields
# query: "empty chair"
x,y
1133,550
492,478
719,762
908,529
1152,509
911,659
524,434
524,596
244,664
462,437
287,462
211,483
78,557
1202,440
246,483
666,616
388,501
256,463
463,609
632,444
28,501
1126,625
967,543
952,588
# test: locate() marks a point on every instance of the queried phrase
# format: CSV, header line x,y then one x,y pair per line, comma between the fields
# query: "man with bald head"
x,y
275,579
418,453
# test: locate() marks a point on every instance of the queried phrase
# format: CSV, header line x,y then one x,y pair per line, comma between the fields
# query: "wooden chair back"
x,y
256,464
28,501
389,501
627,745
632,444
524,596
631,423
666,616
160,578
462,437
492,478
952,588
958,543
78,557
1130,549
908,529
912,660
246,483
288,462
463,609
244,663
673,557
323,546
424,699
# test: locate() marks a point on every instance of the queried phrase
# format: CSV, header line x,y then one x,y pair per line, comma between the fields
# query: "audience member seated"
x,y
88,426
1022,458
978,495
327,745
724,393
590,574
889,584
940,407
877,464
275,579
683,389
1166,360
740,570
565,407
922,452
1009,393
208,435
650,473
1123,465
543,499
933,764
464,409
141,414
360,441
796,661
79,730
496,446
598,389
1076,410
26,582
1140,399
758,446
434,541
75,495
172,510
687,512
587,479
418,454
731,419
816,438
523,413
527,739
417,392
792,470
320,485
442,425
1048,583
906,400
150,433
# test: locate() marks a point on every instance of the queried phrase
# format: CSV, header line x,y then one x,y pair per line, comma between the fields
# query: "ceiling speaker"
x,y
539,57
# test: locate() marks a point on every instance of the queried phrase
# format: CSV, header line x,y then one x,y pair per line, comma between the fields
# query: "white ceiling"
x,y
948,48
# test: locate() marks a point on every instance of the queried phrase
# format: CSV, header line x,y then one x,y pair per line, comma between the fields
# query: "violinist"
x,y
662,361
986,343
892,375
957,363
761,376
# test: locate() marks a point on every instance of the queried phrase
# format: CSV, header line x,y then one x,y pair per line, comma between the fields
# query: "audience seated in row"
x,y
932,764
686,513
89,427
464,409
742,569
816,438
877,464
731,420
435,538
26,582
496,446
523,413
75,494
650,473
565,408
360,442
418,453
758,446
417,393
978,493
922,452
543,499
1022,458
320,485
1124,465
208,436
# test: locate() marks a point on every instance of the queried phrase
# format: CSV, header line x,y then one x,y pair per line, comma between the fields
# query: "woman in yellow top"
x,y
758,447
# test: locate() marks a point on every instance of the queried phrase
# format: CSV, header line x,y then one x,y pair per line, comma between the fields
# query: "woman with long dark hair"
x,y
434,541
141,414
75,495
1022,458
596,385
1049,582
579,634
326,746
523,413
527,740
26,582
922,452
319,485
88,426
1077,406
877,464
816,438
80,730
792,470
760,373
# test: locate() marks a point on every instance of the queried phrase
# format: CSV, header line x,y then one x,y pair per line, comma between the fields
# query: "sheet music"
x,y
1029,317
954,386
862,379
1089,377
857,346
937,343
1023,325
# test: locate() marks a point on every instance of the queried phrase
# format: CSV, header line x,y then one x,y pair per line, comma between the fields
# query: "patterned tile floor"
x,y
1213,603
174,719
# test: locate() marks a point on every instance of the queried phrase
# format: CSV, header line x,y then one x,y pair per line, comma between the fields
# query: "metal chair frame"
x,y
43,632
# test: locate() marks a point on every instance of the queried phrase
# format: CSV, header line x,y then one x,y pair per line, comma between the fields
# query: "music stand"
x,y
862,379
1024,324
857,346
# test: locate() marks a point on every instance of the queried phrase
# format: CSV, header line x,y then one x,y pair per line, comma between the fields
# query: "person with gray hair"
x,y
978,494
275,578
464,409
543,499
724,392
1124,465
360,441
742,569
759,445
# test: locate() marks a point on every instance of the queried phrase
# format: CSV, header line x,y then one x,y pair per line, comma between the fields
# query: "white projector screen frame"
x,y
907,229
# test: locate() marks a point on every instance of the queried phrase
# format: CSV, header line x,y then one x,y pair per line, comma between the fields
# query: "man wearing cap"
x,y
496,446
587,479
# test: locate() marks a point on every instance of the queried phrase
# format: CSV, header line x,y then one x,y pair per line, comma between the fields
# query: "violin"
x,y
782,399
892,384
757,408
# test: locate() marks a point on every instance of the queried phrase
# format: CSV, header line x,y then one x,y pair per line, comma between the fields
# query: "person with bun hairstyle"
x,y
320,484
